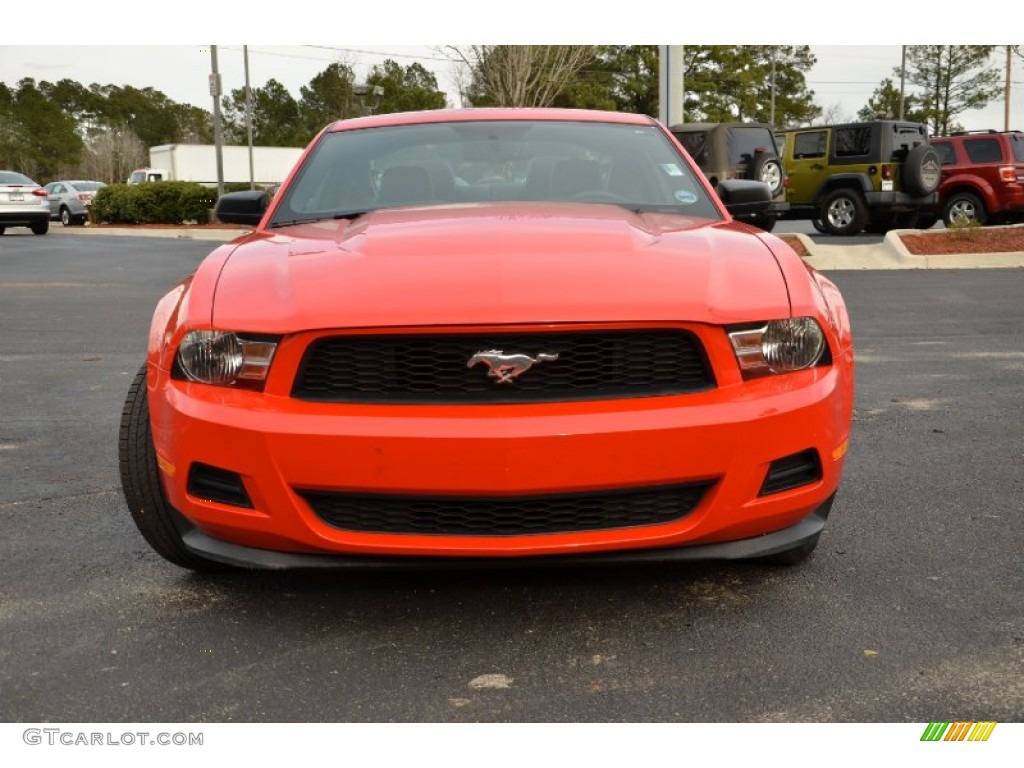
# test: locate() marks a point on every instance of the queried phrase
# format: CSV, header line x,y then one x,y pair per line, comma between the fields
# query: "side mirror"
x,y
241,207
744,197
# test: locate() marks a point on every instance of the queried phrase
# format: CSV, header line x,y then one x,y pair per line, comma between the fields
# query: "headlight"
x,y
778,346
225,358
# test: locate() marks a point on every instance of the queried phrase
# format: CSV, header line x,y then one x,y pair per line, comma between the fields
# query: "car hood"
x,y
498,264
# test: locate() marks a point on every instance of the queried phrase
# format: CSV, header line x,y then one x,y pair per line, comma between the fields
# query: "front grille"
x,y
430,368
505,516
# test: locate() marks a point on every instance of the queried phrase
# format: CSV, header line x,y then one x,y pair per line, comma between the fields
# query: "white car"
x,y
23,203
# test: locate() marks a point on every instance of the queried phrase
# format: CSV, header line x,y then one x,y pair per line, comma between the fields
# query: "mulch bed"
x,y
978,240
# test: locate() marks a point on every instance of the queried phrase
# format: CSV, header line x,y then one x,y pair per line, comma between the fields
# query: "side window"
x,y
1017,144
983,150
947,155
810,144
746,143
696,145
853,141
58,189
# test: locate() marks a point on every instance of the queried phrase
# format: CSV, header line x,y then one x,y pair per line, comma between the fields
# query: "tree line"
x,y
65,129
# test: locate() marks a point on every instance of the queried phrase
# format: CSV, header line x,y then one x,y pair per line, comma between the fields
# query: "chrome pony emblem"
x,y
505,368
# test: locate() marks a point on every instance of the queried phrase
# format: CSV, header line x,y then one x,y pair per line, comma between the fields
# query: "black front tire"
x,y
844,212
158,522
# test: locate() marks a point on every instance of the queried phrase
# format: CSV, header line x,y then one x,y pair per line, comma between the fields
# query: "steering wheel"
x,y
598,196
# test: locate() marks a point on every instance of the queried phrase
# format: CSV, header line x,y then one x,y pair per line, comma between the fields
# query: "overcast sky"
x,y
144,52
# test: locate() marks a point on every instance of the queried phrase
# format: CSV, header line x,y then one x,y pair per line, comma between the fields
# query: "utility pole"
x,y
248,116
671,92
1006,106
218,138
903,77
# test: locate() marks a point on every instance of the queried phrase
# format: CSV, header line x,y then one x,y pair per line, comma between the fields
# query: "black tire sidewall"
x,y
159,523
981,216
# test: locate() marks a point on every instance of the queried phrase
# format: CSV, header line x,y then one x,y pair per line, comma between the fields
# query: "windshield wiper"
x,y
351,215
292,222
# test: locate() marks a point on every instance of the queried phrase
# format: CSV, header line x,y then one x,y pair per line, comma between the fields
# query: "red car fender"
x,y
970,183
187,306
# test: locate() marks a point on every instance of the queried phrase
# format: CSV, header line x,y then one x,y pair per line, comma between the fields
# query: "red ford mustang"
x,y
477,335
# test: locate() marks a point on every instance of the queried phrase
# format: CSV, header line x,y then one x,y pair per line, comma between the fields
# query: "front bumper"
x,y
24,217
769,544
280,446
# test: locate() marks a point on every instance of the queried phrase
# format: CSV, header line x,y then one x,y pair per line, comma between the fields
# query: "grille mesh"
x,y
424,368
505,516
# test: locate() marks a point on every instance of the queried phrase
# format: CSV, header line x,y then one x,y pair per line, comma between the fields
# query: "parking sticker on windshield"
x,y
685,196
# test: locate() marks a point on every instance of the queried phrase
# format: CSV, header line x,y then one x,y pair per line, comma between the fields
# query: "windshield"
x,y
88,186
15,179
635,166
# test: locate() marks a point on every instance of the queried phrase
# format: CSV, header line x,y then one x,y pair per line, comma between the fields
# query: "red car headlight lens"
x,y
779,346
224,358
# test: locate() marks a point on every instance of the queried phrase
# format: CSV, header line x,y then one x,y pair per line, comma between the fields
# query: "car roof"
x,y
489,113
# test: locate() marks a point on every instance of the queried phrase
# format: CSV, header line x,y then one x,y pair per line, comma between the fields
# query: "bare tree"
x,y
519,75
111,154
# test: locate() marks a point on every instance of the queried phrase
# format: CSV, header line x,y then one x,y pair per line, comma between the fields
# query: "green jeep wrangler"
x,y
876,175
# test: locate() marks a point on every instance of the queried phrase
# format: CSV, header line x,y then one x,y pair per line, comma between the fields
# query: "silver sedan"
x,y
70,200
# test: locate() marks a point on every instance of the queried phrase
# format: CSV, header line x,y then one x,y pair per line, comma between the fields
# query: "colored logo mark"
x,y
958,731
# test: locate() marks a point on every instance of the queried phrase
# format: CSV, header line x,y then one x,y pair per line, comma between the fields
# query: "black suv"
x,y
876,175
738,151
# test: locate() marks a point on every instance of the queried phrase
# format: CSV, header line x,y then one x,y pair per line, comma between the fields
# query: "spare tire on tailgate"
x,y
922,171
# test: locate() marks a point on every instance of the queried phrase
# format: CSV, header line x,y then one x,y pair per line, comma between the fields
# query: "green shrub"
x,y
161,202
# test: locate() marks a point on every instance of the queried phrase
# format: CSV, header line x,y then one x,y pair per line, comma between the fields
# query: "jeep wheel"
x,y
768,169
844,212
963,208
922,171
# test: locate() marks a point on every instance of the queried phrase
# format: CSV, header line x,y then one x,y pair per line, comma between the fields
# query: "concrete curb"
x,y
181,233
891,253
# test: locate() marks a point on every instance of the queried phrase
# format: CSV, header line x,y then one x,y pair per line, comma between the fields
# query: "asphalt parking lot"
x,y
909,611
